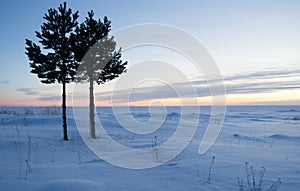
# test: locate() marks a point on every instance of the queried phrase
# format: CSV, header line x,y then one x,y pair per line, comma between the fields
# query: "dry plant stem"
x,y
210,167
28,169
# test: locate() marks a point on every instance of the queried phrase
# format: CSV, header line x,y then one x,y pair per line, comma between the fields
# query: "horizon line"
x,y
153,105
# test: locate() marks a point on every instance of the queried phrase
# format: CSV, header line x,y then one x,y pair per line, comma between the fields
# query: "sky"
x,y
255,44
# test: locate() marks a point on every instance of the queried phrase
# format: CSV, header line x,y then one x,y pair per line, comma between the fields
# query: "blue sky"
x,y
257,42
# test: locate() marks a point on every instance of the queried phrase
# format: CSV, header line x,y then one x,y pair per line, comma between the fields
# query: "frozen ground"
x,y
263,136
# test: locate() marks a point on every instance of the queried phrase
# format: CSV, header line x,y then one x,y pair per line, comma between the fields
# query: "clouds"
x,y
263,81
28,91
49,98
244,83
43,94
271,74
5,81
241,84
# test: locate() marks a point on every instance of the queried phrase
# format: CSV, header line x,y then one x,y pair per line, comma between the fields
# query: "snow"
x,y
264,136
69,185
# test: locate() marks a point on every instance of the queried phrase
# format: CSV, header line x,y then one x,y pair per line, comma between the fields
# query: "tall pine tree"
x,y
57,64
100,61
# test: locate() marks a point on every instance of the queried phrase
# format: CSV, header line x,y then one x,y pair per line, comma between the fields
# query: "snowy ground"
x,y
266,137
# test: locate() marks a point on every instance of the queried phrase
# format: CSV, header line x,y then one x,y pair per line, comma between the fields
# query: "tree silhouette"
x,y
58,63
99,60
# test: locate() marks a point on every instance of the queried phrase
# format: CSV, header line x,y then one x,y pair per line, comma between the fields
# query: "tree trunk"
x,y
92,110
64,116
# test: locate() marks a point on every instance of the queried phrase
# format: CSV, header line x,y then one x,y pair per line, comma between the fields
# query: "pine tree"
x,y
99,60
58,63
